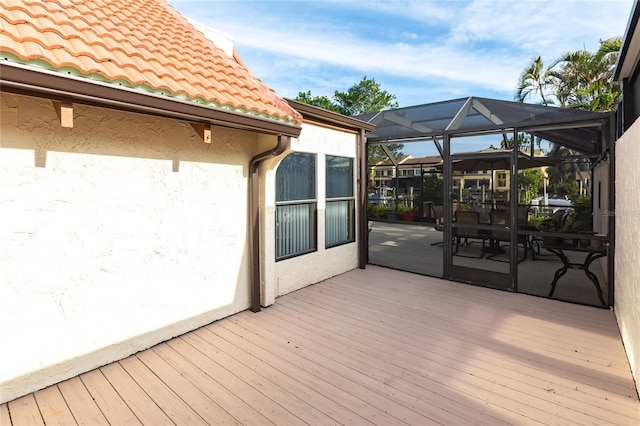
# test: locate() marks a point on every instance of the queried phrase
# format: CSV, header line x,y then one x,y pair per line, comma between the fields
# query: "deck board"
x,y
330,385
284,405
144,408
317,409
209,410
610,367
53,407
162,395
387,365
80,402
418,405
374,346
25,411
108,399
176,355
216,363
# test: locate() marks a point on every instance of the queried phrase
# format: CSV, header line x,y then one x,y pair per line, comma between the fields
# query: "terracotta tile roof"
x,y
432,159
141,44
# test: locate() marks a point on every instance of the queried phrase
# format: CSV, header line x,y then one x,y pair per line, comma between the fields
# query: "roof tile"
x,y
27,50
145,43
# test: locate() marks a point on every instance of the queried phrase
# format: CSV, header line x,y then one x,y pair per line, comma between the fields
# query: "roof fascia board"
x,y
329,117
630,52
41,83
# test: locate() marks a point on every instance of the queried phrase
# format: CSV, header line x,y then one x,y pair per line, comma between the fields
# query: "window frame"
x,y
281,207
350,224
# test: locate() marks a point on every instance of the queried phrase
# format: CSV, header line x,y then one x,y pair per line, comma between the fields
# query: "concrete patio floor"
x,y
409,247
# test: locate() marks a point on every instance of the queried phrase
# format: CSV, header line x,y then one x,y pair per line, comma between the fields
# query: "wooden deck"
x,y
373,346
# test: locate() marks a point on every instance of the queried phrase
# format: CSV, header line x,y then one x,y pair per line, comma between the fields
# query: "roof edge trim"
x,y
74,73
631,36
40,83
329,117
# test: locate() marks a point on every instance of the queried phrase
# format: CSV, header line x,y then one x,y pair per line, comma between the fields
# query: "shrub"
x,y
378,211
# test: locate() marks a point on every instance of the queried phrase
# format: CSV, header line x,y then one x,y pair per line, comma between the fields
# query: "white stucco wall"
x,y
118,233
292,274
627,257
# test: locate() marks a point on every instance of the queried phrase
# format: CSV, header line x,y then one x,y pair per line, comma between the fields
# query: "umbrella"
x,y
497,159
490,159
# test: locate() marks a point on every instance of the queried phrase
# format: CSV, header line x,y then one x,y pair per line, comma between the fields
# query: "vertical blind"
x,y
339,212
296,205
338,222
293,225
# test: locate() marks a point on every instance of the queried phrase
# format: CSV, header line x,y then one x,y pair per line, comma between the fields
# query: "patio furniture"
x,y
592,254
503,219
438,214
460,232
523,224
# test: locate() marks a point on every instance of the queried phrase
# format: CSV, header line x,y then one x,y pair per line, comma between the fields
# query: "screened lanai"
x,y
531,217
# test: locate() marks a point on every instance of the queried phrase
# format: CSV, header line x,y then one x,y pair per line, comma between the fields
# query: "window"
x,y
296,205
339,213
502,179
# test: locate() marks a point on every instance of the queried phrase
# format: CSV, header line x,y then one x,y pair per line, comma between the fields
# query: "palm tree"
x,y
536,79
586,79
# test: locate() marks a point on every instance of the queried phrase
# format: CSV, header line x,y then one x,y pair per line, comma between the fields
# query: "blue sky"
x,y
420,51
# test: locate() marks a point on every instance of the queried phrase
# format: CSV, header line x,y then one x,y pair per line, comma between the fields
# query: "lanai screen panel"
x,y
575,129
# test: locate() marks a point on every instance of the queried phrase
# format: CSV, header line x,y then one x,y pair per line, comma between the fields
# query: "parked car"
x,y
379,199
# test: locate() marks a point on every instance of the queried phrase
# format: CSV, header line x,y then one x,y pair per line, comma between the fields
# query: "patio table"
x,y
592,254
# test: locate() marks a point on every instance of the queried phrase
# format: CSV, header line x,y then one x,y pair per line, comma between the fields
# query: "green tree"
x,y
524,142
536,80
586,78
529,181
433,188
562,175
319,101
361,98
579,79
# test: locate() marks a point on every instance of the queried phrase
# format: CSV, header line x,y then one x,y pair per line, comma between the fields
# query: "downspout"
x,y
254,206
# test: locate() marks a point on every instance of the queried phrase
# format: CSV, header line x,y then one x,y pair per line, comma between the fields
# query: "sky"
x,y
420,51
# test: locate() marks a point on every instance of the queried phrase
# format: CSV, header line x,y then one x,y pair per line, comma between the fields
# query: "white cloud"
x,y
463,47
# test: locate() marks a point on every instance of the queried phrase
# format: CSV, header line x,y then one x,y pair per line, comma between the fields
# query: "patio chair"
x,y
503,219
523,223
438,214
460,233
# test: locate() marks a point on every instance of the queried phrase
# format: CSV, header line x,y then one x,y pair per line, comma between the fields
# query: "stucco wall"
x,y
627,257
292,274
118,233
